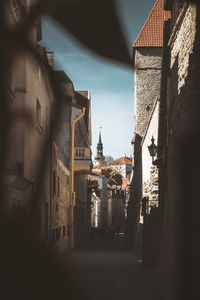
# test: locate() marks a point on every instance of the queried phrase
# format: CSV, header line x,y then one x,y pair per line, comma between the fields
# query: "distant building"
x,y
123,165
100,209
117,201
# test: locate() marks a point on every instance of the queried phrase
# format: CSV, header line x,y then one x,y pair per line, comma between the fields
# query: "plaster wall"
x,y
120,168
81,226
63,134
146,158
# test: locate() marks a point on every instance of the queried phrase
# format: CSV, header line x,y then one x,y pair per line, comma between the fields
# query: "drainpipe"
x,y
77,117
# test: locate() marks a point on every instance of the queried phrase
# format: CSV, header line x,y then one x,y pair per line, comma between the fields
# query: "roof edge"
x,y
151,12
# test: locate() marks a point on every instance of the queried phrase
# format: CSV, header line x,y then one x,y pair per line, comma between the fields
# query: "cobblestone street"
x,y
107,269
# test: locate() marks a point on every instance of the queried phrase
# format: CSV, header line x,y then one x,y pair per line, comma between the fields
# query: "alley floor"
x,y
108,270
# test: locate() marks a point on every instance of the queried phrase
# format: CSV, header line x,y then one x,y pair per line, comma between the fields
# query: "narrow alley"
x,y
99,150
108,269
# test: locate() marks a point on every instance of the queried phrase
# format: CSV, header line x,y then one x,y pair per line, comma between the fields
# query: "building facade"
x,y
123,165
178,144
147,59
29,98
82,168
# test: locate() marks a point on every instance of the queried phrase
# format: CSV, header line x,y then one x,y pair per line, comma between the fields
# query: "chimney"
x,y
50,58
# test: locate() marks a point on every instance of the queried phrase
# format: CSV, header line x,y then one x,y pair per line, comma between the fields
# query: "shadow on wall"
x,y
28,270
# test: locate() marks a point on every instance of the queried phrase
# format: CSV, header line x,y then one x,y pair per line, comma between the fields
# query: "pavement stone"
x,y
109,270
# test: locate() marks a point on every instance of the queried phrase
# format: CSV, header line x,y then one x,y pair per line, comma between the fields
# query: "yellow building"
x,y
82,167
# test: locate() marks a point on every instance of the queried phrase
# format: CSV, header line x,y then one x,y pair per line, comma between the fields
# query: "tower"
x,y
99,157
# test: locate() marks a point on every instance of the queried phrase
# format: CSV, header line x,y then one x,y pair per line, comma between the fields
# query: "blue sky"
x,y
111,85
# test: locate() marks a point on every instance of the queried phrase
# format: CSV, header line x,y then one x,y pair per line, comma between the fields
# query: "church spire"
x,y
99,155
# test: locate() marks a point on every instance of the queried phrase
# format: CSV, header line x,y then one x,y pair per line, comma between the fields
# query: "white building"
x,y
123,165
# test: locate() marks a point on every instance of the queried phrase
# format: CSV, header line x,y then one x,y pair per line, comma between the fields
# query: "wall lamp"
x,y
152,149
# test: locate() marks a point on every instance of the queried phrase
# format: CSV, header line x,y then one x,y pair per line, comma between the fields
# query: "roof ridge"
x,y
151,12
124,158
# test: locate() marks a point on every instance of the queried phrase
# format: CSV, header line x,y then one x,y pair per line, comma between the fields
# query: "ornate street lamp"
x,y
152,149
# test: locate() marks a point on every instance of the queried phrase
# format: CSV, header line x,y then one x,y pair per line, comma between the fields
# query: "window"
x,y
82,153
38,113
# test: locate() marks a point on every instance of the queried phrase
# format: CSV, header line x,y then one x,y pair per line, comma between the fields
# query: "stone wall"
x,y
179,261
147,91
182,43
147,85
61,203
150,188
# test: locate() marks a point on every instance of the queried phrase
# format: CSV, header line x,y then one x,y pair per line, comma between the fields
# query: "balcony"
x,y
82,159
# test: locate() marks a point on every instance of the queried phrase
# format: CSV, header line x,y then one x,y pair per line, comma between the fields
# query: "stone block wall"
x,y
150,188
147,92
147,85
182,43
61,203
179,261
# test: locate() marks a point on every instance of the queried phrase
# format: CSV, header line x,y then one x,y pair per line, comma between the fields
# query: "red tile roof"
x,y
96,171
151,34
122,161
